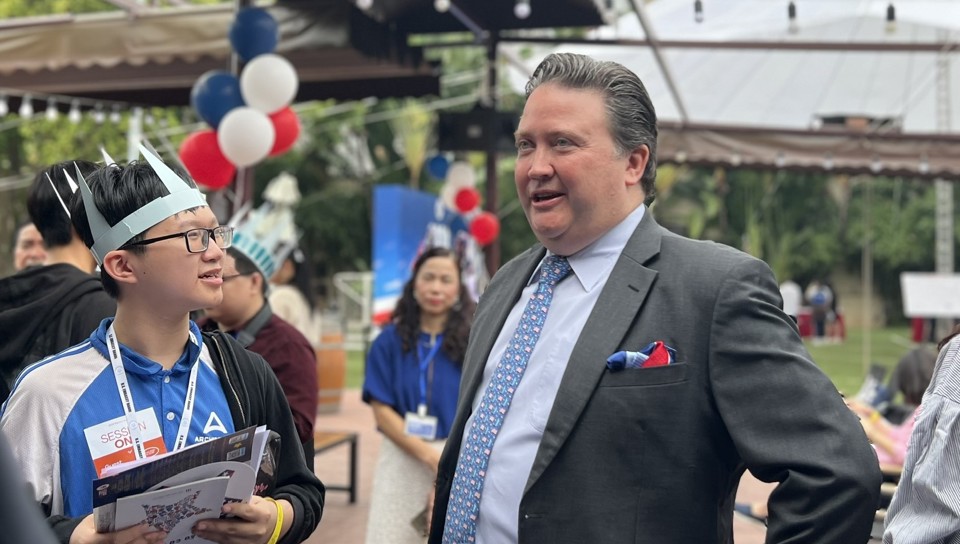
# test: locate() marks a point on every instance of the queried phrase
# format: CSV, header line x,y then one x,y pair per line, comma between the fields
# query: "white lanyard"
x,y
126,396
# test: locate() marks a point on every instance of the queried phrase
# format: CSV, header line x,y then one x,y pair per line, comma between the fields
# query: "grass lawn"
x,y
843,362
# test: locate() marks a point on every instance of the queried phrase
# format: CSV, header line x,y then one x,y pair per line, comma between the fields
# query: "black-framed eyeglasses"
x,y
197,240
235,276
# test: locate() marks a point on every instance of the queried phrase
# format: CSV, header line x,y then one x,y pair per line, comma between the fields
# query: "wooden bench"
x,y
323,441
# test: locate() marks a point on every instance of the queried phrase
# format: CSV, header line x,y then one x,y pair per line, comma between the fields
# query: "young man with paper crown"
x,y
150,372
246,314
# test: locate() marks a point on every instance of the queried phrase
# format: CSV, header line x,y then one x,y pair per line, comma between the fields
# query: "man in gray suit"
x,y
584,449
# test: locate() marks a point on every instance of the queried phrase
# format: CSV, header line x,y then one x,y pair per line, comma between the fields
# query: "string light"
x,y
522,9
115,114
698,11
52,112
441,5
26,107
74,114
792,16
98,116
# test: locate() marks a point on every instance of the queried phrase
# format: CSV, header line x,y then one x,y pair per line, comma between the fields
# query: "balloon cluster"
x,y
459,193
250,116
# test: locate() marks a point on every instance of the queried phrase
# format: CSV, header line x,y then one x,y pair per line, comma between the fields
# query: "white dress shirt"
x,y
519,437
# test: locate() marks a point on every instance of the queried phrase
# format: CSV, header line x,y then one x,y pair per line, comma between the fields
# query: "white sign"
x,y
926,294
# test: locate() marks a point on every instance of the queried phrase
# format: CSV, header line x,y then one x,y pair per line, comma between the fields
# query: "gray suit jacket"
x,y
655,455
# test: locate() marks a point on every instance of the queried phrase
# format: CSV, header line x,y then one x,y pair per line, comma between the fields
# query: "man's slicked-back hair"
x,y
117,192
44,206
630,114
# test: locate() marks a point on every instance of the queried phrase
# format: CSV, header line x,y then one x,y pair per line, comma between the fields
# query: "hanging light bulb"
x,y
891,18
364,4
26,107
4,107
441,5
98,116
52,112
115,114
828,161
780,160
74,114
924,166
698,11
522,9
792,16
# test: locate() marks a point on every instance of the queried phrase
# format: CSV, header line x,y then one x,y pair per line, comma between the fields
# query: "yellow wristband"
x,y
874,416
275,537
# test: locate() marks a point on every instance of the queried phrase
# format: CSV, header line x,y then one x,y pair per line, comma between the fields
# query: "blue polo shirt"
x,y
393,378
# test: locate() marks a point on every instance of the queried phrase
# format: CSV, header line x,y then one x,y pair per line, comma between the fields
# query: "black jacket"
x,y
45,310
255,398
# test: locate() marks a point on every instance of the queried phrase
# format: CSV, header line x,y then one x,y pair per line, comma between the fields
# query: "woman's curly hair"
x,y
406,316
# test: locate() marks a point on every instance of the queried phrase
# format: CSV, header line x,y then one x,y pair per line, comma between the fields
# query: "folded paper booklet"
x,y
177,489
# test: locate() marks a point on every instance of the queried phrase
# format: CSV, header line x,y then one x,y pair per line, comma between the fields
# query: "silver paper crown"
x,y
106,238
73,190
266,236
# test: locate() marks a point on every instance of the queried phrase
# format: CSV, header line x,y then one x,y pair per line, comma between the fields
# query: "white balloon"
x,y
448,195
268,83
461,175
245,136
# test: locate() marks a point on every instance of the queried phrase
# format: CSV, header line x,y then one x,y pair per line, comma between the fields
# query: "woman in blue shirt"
x,y
412,382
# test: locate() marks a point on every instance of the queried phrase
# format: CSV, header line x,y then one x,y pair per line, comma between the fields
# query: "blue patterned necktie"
x,y
463,508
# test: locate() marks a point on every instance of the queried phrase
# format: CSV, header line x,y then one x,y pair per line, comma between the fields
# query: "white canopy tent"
x,y
843,91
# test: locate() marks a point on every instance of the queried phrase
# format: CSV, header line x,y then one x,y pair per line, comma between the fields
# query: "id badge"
x,y
420,425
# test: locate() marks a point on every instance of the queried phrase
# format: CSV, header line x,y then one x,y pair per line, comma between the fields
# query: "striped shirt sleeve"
x,y
926,506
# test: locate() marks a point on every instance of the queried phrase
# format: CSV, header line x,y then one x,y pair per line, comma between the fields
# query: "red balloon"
x,y
287,129
208,166
467,199
485,228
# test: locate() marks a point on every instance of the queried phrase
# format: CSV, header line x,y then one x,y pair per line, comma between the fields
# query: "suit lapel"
x,y
612,317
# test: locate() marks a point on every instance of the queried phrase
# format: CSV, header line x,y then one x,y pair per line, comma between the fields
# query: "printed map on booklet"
x,y
172,491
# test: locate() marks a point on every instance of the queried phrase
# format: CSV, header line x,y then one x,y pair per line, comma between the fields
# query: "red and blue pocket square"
x,y
654,354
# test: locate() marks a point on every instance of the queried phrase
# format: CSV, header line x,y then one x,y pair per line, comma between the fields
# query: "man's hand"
x,y
253,523
86,533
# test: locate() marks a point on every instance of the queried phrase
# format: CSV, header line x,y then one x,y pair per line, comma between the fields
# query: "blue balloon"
x,y
214,95
437,166
254,32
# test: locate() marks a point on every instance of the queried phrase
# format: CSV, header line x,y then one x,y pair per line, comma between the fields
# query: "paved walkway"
x,y
345,523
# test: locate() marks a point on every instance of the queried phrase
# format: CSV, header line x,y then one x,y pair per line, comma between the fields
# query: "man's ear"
x,y
118,265
257,284
636,163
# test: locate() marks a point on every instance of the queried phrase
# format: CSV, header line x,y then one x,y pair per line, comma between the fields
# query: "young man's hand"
x,y
86,533
253,523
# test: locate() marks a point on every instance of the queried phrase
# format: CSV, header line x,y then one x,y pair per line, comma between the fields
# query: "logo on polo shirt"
x,y
214,424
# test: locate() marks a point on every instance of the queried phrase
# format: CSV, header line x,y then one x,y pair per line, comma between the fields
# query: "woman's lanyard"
x,y
426,372
126,396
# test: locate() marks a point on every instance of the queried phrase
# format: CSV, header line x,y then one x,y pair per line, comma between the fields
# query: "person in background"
x,y
412,381
160,250
46,309
620,378
890,438
290,295
28,247
926,506
792,298
248,317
